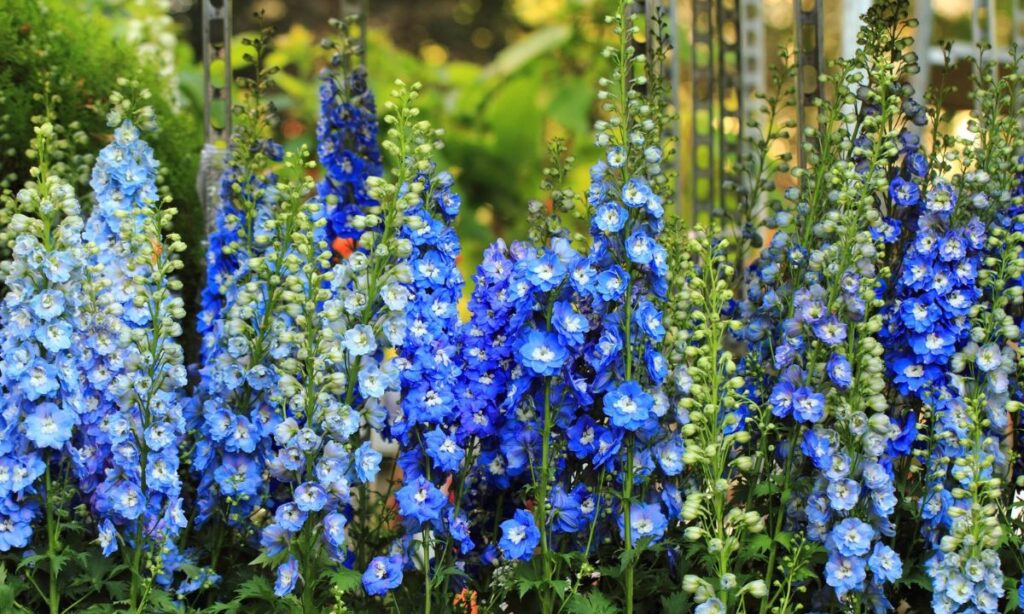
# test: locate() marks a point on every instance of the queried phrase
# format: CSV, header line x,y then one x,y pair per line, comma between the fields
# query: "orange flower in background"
x,y
343,246
465,601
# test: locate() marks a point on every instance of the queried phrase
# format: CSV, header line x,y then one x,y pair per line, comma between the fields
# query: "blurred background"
x,y
502,77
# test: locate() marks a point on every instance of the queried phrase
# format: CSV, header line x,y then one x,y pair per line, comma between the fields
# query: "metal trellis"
x,y
983,32
216,29
721,84
810,62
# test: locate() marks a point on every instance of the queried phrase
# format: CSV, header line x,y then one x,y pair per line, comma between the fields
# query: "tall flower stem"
x,y
51,544
627,486
627,495
540,509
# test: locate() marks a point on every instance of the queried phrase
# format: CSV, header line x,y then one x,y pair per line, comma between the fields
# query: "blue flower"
x,y
546,272
287,574
843,494
781,399
443,450
290,517
238,475
310,497
570,323
844,573
49,426
885,564
360,340
852,537
670,455
519,536
367,462
48,304
904,193
610,217
917,164
611,283
334,529
421,500
107,538
543,353
646,521
830,330
383,574
711,606
628,405
839,371
648,319
636,193
640,247
808,406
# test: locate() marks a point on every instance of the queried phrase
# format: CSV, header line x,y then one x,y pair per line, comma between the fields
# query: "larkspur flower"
x,y
519,536
628,406
383,575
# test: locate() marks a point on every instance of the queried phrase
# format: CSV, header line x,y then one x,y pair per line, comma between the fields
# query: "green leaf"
x,y
344,579
592,603
676,602
765,488
528,48
256,587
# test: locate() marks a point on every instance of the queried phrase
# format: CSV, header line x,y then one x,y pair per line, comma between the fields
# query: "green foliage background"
x,y
81,55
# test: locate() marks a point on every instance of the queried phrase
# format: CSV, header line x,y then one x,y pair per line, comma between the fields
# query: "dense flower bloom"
x,y
41,425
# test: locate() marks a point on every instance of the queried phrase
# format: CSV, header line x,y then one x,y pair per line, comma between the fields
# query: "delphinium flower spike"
x,y
977,251
39,370
245,198
712,414
627,270
346,140
235,405
136,368
435,449
816,297
318,449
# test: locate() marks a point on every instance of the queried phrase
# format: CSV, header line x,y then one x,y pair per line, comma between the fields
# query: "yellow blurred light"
x,y
952,10
536,12
484,216
433,53
272,9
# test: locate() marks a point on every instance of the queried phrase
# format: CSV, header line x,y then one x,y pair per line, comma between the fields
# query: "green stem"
x,y
540,505
627,495
426,572
51,543
765,603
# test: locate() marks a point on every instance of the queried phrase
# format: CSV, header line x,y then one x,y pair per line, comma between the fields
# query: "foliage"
x,y
71,54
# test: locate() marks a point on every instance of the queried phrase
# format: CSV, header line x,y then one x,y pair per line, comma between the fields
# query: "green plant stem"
x,y
51,544
773,550
426,573
540,507
135,571
627,494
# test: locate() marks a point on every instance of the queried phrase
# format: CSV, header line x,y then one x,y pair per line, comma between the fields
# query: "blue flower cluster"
x,y
348,150
135,367
231,243
40,375
434,437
